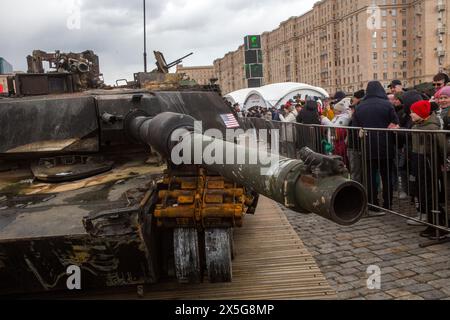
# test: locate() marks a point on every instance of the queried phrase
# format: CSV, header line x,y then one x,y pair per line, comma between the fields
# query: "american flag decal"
x,y
230,121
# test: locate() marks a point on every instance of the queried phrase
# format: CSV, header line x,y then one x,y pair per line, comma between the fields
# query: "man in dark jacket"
x,y
309,114
375,111
354,142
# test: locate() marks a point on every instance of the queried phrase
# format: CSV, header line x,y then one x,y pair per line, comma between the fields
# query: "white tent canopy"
x,y
275,95
238,96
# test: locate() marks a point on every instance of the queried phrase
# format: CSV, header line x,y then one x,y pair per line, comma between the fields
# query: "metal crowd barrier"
x,y
405,172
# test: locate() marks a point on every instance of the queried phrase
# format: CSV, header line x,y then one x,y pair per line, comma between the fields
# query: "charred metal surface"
x,y
218,252
94,120
321,165
42,235
84,67
42,84
41,264
187,255
119,106
48,125
70,168
115,222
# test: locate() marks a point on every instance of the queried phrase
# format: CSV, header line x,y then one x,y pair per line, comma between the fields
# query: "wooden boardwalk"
x,y
271,263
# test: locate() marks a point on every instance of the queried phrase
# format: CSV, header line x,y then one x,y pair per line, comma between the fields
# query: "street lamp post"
x,y
145,37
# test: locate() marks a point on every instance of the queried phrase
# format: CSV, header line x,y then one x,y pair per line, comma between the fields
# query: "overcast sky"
x,y
113,29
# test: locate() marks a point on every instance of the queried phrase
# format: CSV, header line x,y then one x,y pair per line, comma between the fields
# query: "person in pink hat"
x,y
442,97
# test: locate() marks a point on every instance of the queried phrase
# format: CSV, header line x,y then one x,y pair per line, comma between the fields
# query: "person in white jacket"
x,y
337,137
291,116
342,114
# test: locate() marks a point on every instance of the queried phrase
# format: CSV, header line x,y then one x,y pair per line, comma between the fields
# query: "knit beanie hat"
x,y
343,105
422,109
444,91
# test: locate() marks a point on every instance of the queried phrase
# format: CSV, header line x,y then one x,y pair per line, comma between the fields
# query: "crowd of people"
x,y
387,155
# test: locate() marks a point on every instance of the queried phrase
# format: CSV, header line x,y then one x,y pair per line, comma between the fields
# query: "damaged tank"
x,y
87,179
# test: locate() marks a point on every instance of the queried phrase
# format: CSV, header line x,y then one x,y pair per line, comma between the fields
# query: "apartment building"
x,y
230,71
344,44
201,74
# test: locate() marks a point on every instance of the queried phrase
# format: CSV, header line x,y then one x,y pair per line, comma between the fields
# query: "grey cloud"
x,y
113,28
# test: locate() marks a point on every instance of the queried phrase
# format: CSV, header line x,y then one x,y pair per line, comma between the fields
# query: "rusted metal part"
x,y
200,201
83,67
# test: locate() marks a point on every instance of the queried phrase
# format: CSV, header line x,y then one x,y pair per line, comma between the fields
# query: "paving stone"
x,y
361,250
433,295
362,244
398,293
418,288
352,264
379,296
370,261
389,285
346,259
347,272
403,274
441,283
347,279
405,282
403,266
326,250
411,297
428,255
344,253
344,287
388,270
377,247
425,278
347,295
443,273
388,277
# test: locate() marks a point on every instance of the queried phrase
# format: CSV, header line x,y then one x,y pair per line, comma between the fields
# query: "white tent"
x,y
238,96
275,95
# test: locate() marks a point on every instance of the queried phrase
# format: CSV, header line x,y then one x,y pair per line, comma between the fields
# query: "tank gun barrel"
x,y
314,184
176,62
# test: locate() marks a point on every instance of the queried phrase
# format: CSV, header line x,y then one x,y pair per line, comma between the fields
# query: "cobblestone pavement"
x,y
344,254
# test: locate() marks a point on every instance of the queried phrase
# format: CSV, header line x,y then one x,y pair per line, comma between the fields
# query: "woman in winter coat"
x,y
342,118
424,147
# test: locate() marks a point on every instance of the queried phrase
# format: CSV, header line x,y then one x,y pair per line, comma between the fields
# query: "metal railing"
x,y
405,172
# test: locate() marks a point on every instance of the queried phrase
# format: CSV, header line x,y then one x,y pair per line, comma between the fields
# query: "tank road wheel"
x,y
218,251
187,255
233,248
